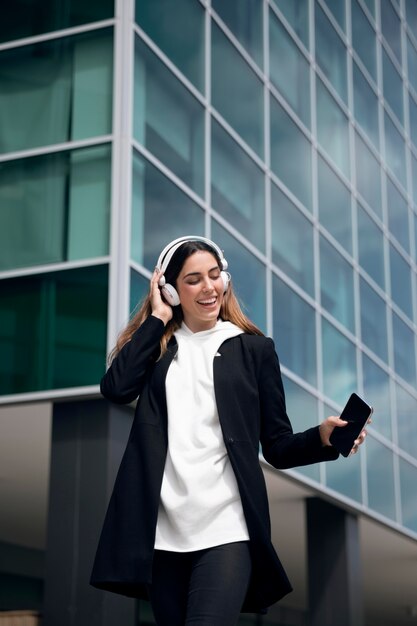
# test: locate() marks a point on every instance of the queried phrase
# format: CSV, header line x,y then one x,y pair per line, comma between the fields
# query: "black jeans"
x,y
206,587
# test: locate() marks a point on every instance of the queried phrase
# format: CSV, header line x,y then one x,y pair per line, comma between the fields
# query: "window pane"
x,y
236,91
248,275
412,63
414,177
371,6
244,18
164,23
337,7
168,121
373,308
290,154
297,15
408,478
376,385
391,28
398,215
395,150
68,96
380,473
411,14
413,120
371,247
335,211
401,282
46,322
406,421
336,285
339,364
364,40
292,241
366,105
332,129
393,86
368,175
404,351
237,186
139,289
26,19
55,207
161,212
330,53
289,69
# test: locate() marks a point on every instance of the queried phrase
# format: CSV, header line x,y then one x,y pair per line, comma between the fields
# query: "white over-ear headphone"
x,y
169,292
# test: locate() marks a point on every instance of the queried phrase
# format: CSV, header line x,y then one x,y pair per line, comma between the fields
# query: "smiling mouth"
x,y
208,302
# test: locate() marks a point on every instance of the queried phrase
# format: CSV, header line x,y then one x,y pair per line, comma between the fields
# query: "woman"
x,y
188,523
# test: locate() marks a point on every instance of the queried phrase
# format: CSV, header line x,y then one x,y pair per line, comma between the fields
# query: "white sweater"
x,y
200,505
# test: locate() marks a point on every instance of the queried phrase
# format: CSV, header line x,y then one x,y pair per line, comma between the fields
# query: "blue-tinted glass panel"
x,y
336,285
330,53
371,6
395,150
168,120
139,289
401,282
54,207
27,19
160,212
406,420
68,96
244,18
364,39
391,28
393,86
413,120
337,8
412,63
339,364
289,69
292,241
46,322
236,91
297,15
302,410
248,275
335,212
183,45
368,175
332,129
414,177
290,154
408,480
371,247
237,186
376,386
398,215
404,350
411,14
373,320
380,474
294,331
366,105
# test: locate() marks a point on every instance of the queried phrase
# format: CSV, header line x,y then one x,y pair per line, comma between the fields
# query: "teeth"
x,y
211,301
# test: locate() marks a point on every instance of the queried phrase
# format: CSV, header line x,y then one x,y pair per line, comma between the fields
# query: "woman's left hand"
x,y
330,423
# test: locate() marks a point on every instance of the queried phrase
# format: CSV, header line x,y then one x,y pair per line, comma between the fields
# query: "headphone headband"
x,y
169,251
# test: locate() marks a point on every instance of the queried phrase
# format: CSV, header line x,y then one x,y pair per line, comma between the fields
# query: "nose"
x,y
208,284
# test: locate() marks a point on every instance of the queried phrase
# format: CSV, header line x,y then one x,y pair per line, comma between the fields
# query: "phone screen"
x,y
356,413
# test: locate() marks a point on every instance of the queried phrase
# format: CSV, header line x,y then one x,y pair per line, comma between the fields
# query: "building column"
x,y
88,440
334,566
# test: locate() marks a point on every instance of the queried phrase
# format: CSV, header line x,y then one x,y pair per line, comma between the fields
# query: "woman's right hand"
x,y
160,308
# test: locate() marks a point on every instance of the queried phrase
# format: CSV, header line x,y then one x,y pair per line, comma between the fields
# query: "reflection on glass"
x,y
364,39
292,241
404,350
406,420
380,474
55,207
337,7
412,63
397,215
395,150
68,96
289,69
376,385
413,120
371,247
401,282
373,308
160,212
414,178
294,331
184,46
168,120
248,275
139,289
46,322
236,90
244,18
366,105
391,28
368,175
334,205
331,53
237,186
297,15
371,6
339,364
411,14
336,285
408,481
332,129
393,86
290,154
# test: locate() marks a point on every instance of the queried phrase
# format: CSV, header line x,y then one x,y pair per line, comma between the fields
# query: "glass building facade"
x,y
284,130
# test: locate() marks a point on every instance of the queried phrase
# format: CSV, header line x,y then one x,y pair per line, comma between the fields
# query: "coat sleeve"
x,y
280,446
124,380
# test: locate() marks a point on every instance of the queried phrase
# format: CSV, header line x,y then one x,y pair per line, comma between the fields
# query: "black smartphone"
x,y
356,413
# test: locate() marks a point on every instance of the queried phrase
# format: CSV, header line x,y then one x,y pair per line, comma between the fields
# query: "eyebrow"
x,y
216,267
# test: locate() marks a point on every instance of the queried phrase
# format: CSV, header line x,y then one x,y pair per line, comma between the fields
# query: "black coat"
x,y
251,406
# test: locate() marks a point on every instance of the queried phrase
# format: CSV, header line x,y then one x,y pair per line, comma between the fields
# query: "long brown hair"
x,y
230,309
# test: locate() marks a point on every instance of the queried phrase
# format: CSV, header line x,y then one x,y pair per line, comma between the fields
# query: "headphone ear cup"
x,y
170,294
226,280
